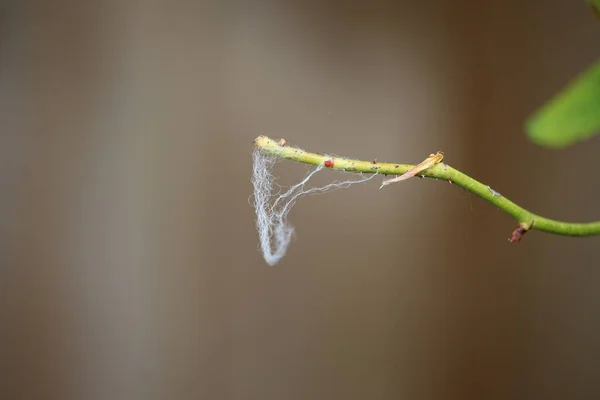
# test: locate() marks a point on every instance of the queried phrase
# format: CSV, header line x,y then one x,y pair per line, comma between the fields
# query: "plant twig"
x,y
526,219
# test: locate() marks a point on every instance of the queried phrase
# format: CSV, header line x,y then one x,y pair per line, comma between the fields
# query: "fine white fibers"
x,y
274,231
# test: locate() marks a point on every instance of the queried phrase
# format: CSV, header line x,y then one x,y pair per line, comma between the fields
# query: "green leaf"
x,y
570,116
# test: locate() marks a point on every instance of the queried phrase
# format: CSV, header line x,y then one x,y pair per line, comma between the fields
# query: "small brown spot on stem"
x,y
518,234
329,163
374,161
282,142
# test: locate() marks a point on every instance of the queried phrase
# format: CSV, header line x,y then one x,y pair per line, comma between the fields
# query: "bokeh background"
x,y
129,259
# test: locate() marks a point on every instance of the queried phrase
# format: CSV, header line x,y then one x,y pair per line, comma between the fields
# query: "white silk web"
x,y
272,208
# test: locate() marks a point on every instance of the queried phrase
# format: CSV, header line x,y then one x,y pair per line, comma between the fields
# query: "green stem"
x,y
526,219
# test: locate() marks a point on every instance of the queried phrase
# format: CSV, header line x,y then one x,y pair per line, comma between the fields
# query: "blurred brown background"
x,y
128,253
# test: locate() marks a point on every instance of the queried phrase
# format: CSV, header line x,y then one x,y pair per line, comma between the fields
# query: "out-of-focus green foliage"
x,y
570,116
595,4
573,114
